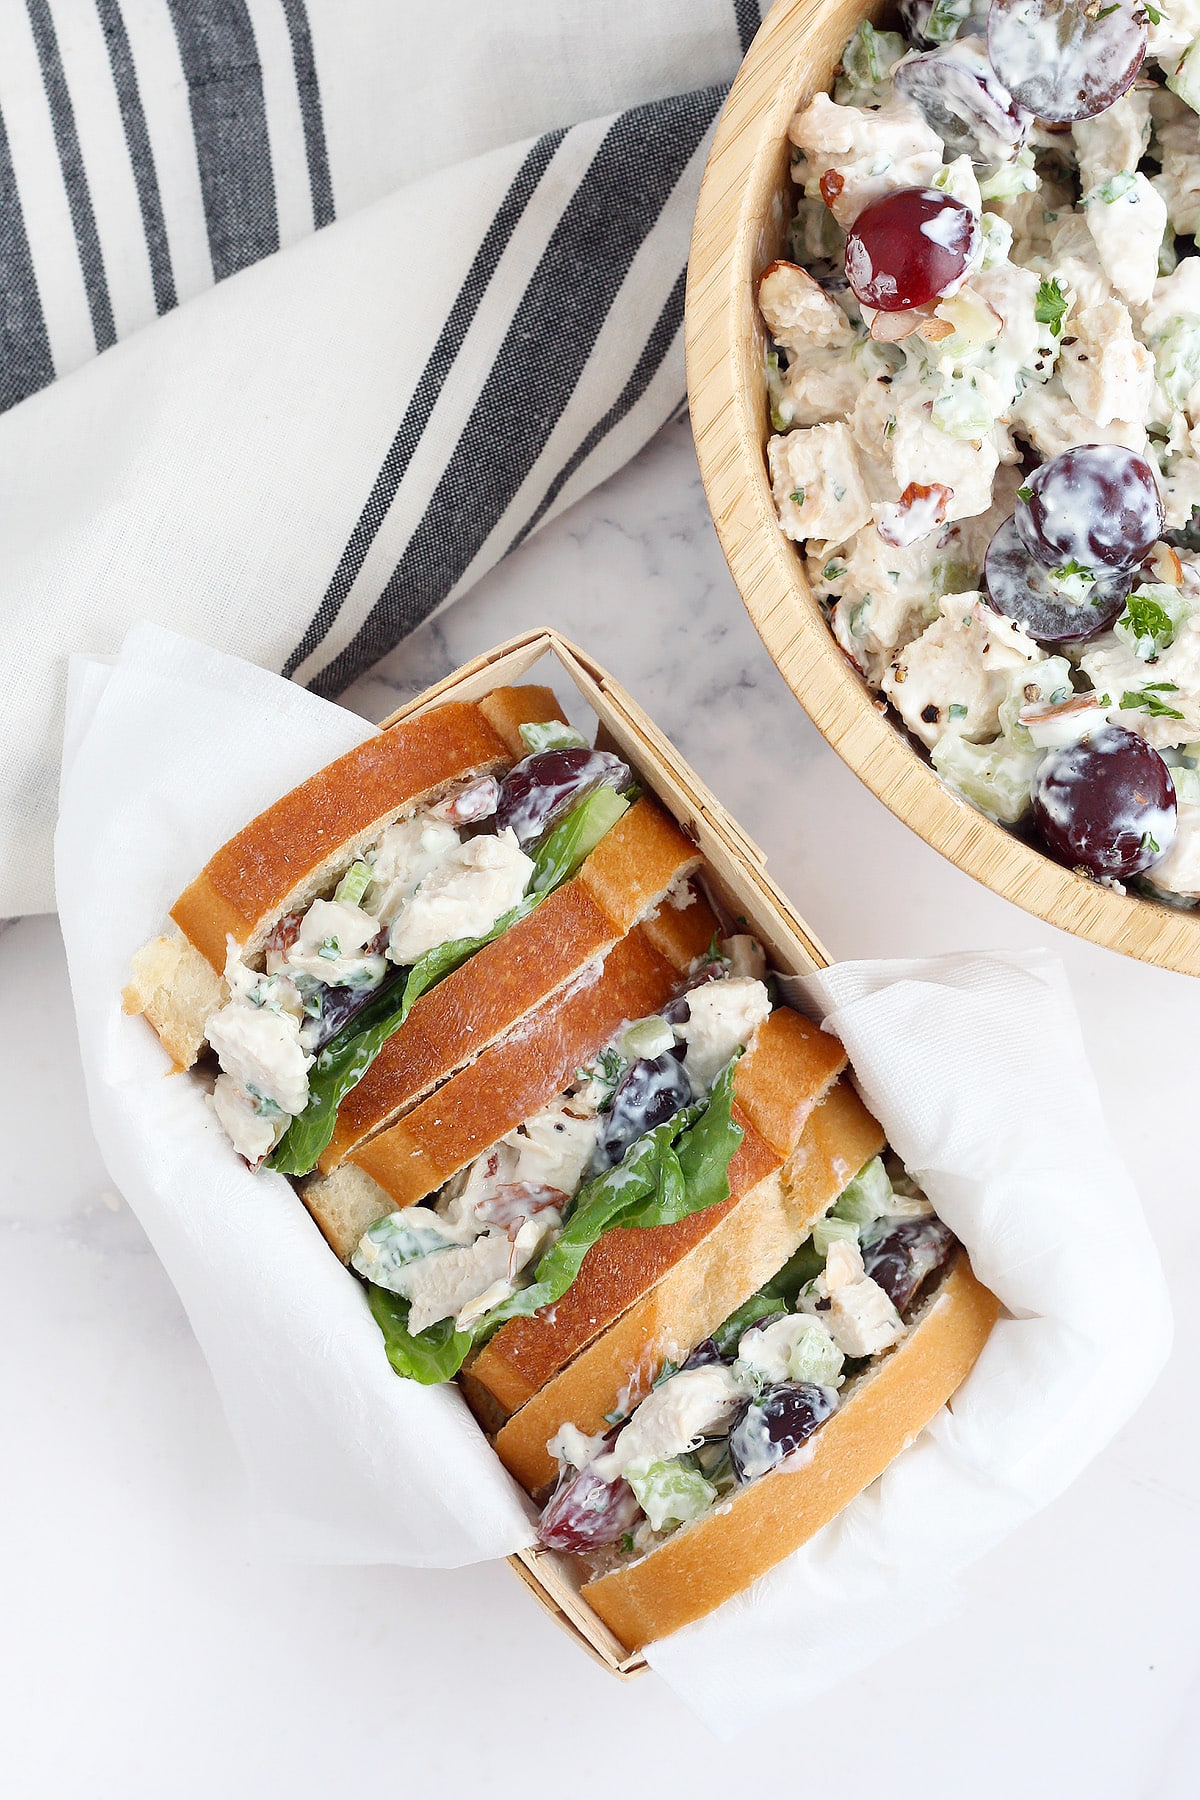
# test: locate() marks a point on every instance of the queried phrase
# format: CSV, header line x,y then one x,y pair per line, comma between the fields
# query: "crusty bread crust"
x,y
177,990
746,1248
506,709
704,1564
516,1077
295,850
790,1067
559,944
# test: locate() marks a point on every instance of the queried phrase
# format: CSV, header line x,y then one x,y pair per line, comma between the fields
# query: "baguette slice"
x,y
791,1067
282,859
510,1082
626,877
295,850
707,1562
744,1250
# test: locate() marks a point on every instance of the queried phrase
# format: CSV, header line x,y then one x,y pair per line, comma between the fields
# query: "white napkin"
x,y
380,287
974,1065
977,1071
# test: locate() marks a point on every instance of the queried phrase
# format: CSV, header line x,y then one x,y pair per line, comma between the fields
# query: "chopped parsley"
x,y
1050,308
1107,11
1025,493
627,1536
1147,700
1149,843
797,496
1072,568
889,428
1145,618
833,571
1153,14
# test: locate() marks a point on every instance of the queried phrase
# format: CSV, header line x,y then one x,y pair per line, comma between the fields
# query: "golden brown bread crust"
x,y
704,1564
451,1025
516,1077
506,709
748,1245
287,854
790,1067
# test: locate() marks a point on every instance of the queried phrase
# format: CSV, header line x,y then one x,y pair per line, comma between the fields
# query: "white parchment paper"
x,y
974,1065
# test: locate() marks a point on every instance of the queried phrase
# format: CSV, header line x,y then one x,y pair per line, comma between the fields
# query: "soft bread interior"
x,y
882,1409
177,990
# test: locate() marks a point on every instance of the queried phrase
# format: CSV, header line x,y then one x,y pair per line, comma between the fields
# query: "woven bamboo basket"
x,y
741,220
735,870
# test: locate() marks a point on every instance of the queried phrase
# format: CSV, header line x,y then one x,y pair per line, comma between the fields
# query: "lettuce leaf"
x,y
346,1058
679,1168
432,1355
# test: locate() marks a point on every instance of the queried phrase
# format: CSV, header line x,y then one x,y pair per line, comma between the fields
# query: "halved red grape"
x,y
1097,506
1049,607
1065,59
1106,804
538,790
902,1254
957,91
585,1513
769,1429
651,1091
908,247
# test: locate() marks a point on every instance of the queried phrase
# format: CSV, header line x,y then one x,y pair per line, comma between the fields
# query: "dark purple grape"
x,y
1065,59
1029,594
956,89
1097,506
769,1429
537,791
902,1254
585,1513
703,1355
1106,804
651,1090
908,247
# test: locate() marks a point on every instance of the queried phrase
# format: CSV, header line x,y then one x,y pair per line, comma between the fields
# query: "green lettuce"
x,y
678,1168
346,1058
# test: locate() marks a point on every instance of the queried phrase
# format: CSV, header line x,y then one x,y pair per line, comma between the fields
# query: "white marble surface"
x,y
147,1648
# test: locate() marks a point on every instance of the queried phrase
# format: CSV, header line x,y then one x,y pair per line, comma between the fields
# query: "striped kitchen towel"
x,y
311,310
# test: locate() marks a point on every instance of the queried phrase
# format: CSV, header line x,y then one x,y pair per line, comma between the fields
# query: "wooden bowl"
x,y
746,200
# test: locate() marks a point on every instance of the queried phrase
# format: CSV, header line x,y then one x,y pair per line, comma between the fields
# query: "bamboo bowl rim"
x,y
741,216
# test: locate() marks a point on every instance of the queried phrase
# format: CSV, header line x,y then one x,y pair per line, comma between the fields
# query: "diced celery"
x,y
550,734
354,883
995,777
669,1493
867,1197
867,64
816,1357
1050,682
832,1229
1186,80
960,410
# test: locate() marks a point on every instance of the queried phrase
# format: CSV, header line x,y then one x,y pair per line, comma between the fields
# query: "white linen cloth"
x,y
974,1065
379,286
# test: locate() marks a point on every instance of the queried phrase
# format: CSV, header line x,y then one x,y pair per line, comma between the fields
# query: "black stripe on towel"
x,y
537,367
229,124
319,180
749,17
25,360
425,395
70,161
141,157
666,329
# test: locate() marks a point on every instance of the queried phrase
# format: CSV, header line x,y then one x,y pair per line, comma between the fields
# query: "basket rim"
x,y
726,392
